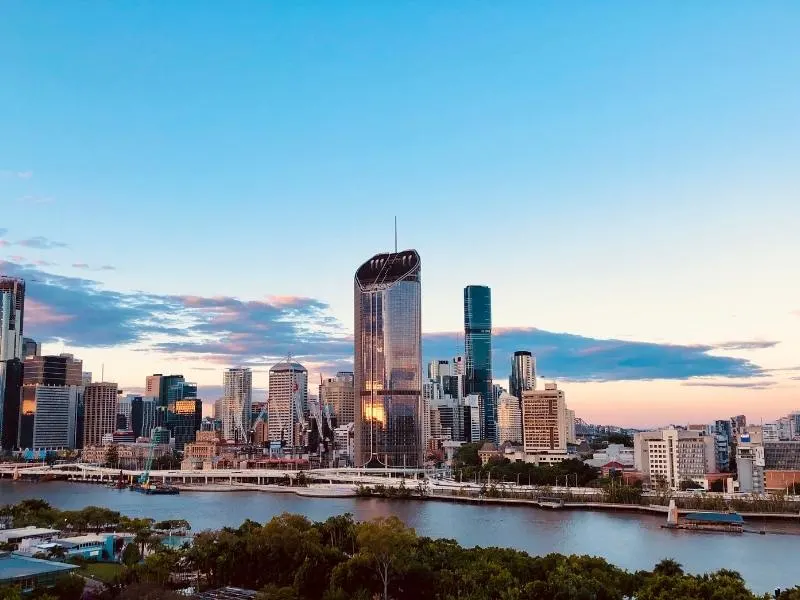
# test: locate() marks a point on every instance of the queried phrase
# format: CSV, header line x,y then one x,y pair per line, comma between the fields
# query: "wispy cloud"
x,y
87,267
749,385
41,243
16,174
746,345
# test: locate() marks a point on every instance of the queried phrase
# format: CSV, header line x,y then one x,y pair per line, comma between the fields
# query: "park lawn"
x,y
105,572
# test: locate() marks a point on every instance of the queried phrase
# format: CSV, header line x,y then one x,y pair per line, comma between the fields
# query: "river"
x,y
630,541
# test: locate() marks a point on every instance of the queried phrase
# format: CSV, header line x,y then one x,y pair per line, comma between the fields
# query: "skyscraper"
x,y
478,350
12,314
237,397
523,374
30,347
389,424
12,310
100,412
288,394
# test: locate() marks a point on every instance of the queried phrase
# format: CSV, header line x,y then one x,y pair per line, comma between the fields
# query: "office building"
x,y
149,408
164,388
30,347
750,464
184,409
509,419
237,392
49,416
63,369
670,456
389,420
338,393
100,412
11,377
523,374
473,418
478,351
288,394
544,420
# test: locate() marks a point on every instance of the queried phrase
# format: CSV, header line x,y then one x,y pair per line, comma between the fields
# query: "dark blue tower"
x,y
478,350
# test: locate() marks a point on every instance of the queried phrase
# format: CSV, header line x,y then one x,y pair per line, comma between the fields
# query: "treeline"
x,y
292,558
91,518
467,467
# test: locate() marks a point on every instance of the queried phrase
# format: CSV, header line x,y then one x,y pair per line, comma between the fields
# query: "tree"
x,y
467,456
112,456
273,592
717,486
131,555
147,591
689,484
385,543
668,567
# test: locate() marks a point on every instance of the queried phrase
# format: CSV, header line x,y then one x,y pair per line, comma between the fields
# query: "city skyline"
x,y
648,155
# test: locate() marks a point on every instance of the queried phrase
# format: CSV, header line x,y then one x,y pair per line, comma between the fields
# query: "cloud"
x,y
745,345
226,331
754,385
579,358
41,243
86,267
16,174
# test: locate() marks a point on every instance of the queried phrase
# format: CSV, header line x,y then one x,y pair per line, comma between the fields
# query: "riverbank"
x,y
633,540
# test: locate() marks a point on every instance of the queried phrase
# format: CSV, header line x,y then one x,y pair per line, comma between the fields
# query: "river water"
x,y
631,541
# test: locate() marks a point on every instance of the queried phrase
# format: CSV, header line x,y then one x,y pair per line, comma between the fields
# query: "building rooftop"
x,y
226,593
712,517
14,566
23,532
84,539
288,366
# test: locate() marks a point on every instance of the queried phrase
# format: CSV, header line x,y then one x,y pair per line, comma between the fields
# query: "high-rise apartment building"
x,y
389,420
163,388
544,420
100,412
237,393
523,374
338,393
509,419
478,351
288,394
571,437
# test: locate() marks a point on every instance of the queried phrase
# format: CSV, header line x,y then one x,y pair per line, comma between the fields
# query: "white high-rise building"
x,y
12,307
288,395
571,437
674,455
237,392
509,419
544,420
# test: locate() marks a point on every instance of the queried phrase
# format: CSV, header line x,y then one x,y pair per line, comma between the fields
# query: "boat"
x,y
724,522
153,489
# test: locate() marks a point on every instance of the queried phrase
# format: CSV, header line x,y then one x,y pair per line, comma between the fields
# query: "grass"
x,y
105,572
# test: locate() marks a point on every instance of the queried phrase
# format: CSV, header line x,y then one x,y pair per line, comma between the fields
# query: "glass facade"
x,y
478,349
388,361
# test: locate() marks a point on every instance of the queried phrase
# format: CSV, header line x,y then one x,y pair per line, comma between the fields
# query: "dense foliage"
x,y
91,518
292,558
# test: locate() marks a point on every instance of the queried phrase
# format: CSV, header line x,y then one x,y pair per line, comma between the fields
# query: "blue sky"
x,y
613,171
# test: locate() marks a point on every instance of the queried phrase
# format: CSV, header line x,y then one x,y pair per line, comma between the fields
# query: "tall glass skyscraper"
x,y
478,350
388,361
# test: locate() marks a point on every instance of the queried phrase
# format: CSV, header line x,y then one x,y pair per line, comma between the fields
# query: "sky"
x,y
188,186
